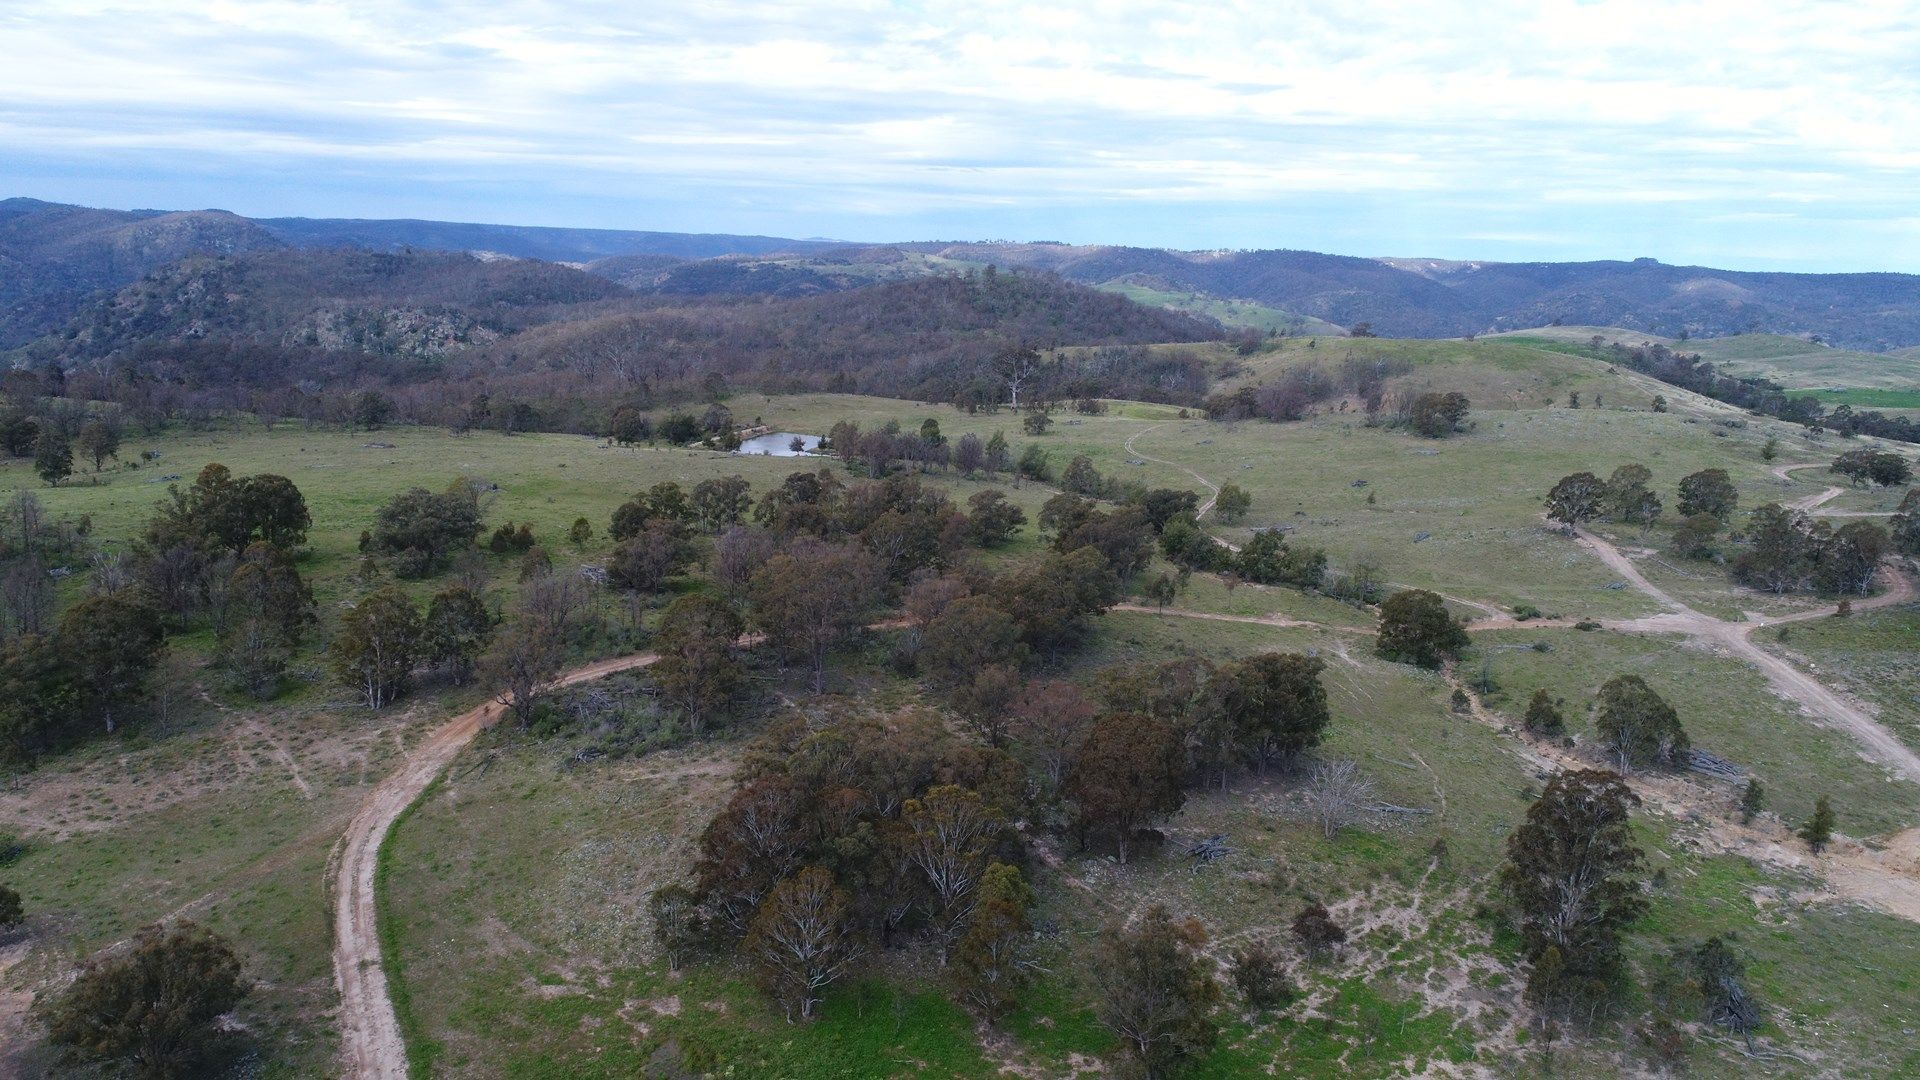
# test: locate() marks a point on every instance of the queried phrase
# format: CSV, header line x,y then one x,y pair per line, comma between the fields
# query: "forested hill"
x,y
411,304
925,337
54,259
1436,298
307,333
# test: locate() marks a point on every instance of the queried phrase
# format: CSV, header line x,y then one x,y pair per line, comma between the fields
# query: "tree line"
x,y
1781,549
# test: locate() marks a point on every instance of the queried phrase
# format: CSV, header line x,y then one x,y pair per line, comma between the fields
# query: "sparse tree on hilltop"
x,y
1129,772
950,832
1905,524
699,669
1338,794
1709,491
111,642
676,922
1316,930
988,963
1232,503
1543,714
1638,725
1629,499
377,646
100,439
1818,831
1260,976
810,600
53,456
456,631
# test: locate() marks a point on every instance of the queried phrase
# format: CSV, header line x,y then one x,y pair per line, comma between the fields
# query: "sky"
x,y
1746,134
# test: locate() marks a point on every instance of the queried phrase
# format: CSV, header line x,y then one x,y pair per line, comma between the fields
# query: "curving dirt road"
x,y
1786,680
370,1040
1213,489
371,1043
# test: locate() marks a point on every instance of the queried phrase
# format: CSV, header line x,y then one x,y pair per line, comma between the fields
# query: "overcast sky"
x,y
1745,133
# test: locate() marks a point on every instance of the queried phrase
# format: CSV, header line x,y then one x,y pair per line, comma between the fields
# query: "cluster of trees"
x,y
887,448
219,553
1880,467
1295,392
1788,550
550,348
860,833
385,637
1574,883
61,428
1904,527
1705,499
1572,879
89,675
849,835
1785,550
1266,709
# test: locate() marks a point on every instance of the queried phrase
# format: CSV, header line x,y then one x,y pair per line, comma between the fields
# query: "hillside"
x,y
1428,298
55,255
497,877
52,257
435,331
412,304
926,337
1796,363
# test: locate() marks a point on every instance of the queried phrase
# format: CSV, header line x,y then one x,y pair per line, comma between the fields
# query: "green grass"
x,y
1230,312
1725,708
1869,655
513,893
1791,361
421,1048
1867,399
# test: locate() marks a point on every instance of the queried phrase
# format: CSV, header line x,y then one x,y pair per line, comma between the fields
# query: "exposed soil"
x,y
1887,879
370,1040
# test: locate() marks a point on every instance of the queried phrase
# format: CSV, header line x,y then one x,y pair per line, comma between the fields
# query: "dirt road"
x,y
370,1041
1213,489
1785,679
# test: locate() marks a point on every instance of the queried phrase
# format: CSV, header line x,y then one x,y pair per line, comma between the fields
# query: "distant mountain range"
x,y
55,260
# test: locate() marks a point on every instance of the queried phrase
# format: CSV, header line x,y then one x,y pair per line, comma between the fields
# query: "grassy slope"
x,y
1791,361
1230,312
523,883
200,814
1870,656
496,887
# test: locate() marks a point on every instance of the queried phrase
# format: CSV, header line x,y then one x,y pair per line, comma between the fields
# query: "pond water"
x,y
779,444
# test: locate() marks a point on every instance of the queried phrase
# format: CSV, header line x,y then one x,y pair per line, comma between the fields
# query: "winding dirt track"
x,y
1786,680
1213,489
370,1040
371,1043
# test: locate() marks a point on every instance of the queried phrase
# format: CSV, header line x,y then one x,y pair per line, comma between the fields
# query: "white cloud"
x,y
960,103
